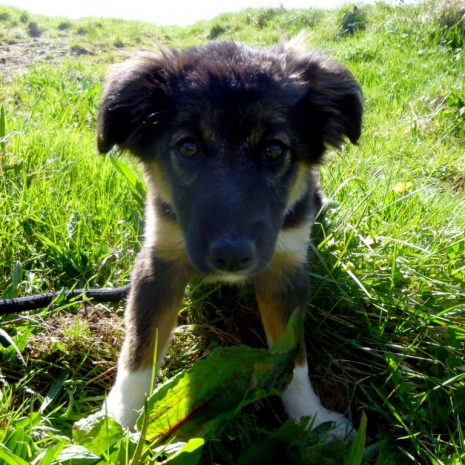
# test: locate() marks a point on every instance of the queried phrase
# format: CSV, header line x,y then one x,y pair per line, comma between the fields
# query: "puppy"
x,y
229,138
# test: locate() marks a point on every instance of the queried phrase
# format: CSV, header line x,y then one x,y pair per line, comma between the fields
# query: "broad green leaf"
x,y
189,454
124,448
77,455
97,433
293,444
48,456
195,402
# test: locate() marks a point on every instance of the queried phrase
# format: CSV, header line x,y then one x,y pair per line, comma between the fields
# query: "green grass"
x,y
386,321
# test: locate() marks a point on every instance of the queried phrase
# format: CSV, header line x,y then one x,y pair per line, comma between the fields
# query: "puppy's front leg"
x,y
280,291
157,289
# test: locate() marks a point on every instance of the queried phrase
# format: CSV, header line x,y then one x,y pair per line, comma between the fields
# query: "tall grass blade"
x,y
11,341
2,129
16,278
357,449
9,457
134,182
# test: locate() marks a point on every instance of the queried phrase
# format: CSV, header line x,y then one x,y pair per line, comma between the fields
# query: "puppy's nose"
x,y
232,255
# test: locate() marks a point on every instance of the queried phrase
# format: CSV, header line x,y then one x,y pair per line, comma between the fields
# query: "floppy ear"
x,y
331,103
135,102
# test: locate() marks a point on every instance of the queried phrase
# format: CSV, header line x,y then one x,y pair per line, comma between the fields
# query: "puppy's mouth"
x,y
228,278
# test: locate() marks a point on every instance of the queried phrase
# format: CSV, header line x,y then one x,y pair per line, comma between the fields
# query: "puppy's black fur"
x,y
228,137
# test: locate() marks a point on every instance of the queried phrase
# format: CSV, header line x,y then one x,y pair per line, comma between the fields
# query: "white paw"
x,y
300,400
126,397
338,425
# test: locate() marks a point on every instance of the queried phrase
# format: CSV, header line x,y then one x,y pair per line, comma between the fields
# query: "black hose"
x,y
34,302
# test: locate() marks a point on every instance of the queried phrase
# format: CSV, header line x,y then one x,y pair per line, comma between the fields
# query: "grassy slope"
x,y
387,311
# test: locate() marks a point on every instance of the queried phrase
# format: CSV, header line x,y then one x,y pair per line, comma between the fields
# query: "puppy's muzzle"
x,y
232,255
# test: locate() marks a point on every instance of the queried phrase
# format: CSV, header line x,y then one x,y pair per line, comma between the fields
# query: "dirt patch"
x,y
96,326
19,55
87,341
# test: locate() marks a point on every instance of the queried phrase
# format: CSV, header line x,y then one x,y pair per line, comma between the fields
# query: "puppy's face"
x,y
228,136
229,159
229,195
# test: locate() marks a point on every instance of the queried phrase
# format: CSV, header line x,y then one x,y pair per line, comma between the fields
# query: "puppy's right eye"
x,y
188,148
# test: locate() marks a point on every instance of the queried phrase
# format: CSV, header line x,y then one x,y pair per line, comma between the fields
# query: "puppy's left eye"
x,y
275,151
188,148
